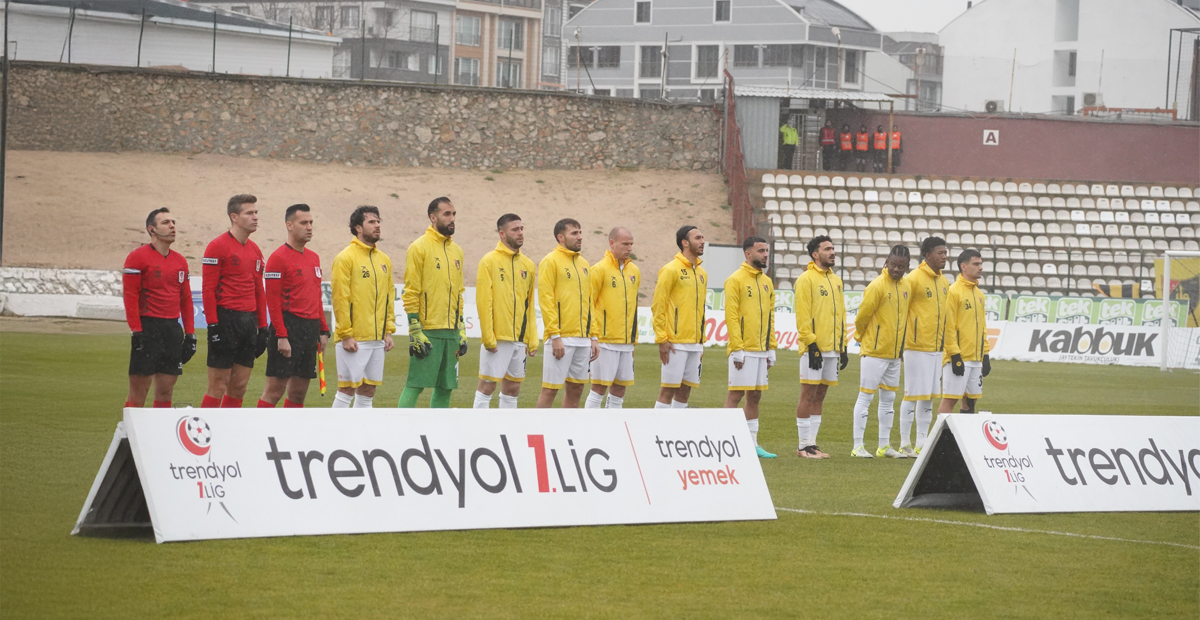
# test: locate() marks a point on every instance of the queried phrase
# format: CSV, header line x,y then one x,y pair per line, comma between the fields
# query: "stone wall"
x,y
86,108
60,281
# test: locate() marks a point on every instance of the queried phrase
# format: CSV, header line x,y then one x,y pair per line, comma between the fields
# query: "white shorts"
x,y
922,375
614,366
878,374
683,366
753,375
508,362
970,384
362,366
827,375
572,368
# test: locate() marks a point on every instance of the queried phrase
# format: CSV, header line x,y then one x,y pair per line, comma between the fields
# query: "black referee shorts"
x,y
305,336
238,335
162,348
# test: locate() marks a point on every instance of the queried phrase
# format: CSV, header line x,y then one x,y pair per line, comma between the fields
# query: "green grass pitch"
x,y
62,396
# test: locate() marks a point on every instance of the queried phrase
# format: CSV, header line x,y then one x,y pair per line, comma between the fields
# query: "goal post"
x,y
1180,344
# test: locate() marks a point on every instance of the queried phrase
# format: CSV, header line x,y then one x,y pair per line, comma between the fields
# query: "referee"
x,y
298,329
158,293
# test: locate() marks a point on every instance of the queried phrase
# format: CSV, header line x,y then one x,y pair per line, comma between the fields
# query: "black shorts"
x,y
239,334
162,348
304,335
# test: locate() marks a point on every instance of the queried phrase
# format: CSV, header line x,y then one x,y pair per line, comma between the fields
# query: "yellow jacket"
x,y
565,294
433,281
364,295
926,309
882,316
678,304
504,288
615,300
966,322
820,310
750,310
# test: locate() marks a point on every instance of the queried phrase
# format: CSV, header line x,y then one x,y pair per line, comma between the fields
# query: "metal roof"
x,y
830,13
175,9
780,92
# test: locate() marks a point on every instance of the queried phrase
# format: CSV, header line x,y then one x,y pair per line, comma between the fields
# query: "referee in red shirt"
x,y
157,293
235,305
298,329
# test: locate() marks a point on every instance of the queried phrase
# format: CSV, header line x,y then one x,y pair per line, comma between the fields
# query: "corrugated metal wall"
x,y
758,118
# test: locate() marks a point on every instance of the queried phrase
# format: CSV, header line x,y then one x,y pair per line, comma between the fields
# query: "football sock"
x,y
861,407
803,428
887,412
230,403
208,402
815,421
287,404
262,404
658,405
907,410
408,398
162,404
593,400
508,402
924,417
363,402
440,398
614,402
482,401
129,404
341,400
678,405
753,424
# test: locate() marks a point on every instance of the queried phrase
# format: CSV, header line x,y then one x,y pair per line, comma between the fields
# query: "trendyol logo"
x,y
195,437
1015,468
995,435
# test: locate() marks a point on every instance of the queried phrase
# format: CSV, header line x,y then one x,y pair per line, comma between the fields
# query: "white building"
x,y
1059,56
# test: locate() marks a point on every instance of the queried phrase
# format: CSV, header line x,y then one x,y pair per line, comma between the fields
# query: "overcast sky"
x,y
914,15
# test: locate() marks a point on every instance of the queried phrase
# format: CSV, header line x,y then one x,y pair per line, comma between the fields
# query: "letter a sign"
x,y
991,137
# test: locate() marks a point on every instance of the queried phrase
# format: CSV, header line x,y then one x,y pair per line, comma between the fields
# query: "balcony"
x,y
522,4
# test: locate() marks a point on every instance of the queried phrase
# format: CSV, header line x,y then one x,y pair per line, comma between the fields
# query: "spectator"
x,y
879,145
897,149
828,145
846,145
862,148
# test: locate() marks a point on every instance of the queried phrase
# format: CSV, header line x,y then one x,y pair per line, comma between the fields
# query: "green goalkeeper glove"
x,y
418,343
462,337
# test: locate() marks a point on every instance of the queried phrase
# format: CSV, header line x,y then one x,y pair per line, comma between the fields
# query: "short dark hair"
x,y
360,215
901,251
152,219
815,244
682,234
930,244
287,215
966,257
506,218
235,204
433,206
750,241
560,226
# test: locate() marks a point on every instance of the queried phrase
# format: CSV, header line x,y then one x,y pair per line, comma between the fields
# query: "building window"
x,y
423,26
384,19
324,18
467,30
550,61
609,57
606,57
651,65
745,55
283,15
466,71
240,8
722,11
350,17
649,93
708,60
512,34
707,95
602,92
508,74
851,76
643,12
778,56
580,57
1071,64
553,24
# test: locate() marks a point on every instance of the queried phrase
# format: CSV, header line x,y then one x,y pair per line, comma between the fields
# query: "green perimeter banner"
x,y
1090,310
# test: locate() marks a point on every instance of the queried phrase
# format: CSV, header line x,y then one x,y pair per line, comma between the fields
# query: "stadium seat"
x,y
1183,218
914,197
979,226
783,192
1038,188
826,194
790,218
780,246
823,181
786,205
986,199
810,179
774,218
856,195
1141,191
1162,205
800,206
777,232
771,205
853,182
768,178
1147,205
790,259
838,181
841,194
768,192
1127,191
879,236
1177,206
786,285
795,179
791,233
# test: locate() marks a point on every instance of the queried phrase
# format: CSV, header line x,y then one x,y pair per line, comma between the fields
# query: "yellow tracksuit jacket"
x,y
504,288
926,309
364,294
750,310
882,317
433,281
615,300
966,323
678,304
565,294
820,310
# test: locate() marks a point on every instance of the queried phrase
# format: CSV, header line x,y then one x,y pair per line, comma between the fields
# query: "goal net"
x,y
1180,282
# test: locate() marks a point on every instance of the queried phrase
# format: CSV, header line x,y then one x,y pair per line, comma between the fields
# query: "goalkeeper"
x,y
433,300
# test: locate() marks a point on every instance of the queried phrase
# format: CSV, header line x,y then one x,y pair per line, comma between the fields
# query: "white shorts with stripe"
x,y
827,375
970,384
572,368
753,375
362,366
683,366
878,374
508,362
922,375
614,366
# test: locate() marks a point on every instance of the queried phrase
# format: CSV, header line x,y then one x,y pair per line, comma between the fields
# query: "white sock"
x,y
678,405
508,402
658,405
924,417
803,427
614,402
363,402
753,424
886,412
342,400
815,421
861,408
482,401
593,400
907,410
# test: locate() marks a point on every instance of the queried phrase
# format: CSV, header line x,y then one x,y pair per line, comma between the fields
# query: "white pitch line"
x,y
986,526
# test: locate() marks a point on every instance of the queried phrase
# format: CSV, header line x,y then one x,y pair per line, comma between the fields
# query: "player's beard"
x,y
447,230
513,243
759,265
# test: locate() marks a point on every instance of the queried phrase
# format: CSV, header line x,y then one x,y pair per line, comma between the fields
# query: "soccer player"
x,y
678,313
235,305
821,325
298,329
750,319
504,298
928,290
965,359
433,298
364,311
158,292
879,329
565,296
615,281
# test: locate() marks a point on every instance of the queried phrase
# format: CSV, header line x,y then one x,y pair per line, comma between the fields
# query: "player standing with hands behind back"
x,y
750,319
364,310
821,324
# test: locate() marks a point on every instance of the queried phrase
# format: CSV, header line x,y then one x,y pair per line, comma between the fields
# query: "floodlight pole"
x,y
4,127
1164,342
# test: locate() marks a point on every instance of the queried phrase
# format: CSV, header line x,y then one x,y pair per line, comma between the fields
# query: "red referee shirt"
x,y
294,286
233,278
157,286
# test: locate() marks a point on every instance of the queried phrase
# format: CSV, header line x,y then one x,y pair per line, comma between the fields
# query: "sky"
x,y
907,15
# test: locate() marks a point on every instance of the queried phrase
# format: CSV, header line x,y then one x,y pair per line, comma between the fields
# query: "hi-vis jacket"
x,y
820,310
926,309
504,297
750,310
364,295
966,322
433,280
678,304
880,323
565,294
615,300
